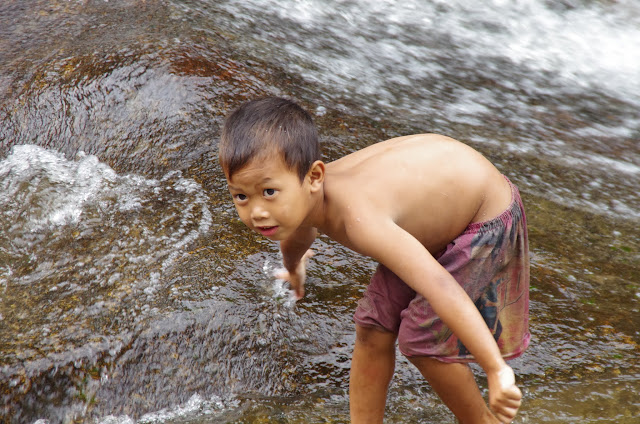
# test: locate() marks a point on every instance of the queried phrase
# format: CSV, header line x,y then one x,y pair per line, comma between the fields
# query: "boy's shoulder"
x,y
410,146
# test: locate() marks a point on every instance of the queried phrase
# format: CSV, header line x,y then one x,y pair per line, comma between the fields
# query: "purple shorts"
x,y
490,260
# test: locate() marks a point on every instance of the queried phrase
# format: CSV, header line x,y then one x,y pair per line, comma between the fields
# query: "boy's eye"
x,y
240,197
269,192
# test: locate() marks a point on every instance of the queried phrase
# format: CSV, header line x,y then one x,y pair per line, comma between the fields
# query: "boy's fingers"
x,y
514,392
309,253
505,419
507,410
506,415
298,289
294,284
513,396
282,275
512,403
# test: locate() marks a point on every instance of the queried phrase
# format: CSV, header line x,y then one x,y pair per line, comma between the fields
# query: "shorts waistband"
x,y
513,213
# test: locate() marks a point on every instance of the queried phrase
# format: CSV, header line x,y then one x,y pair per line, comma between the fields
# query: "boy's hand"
x,y
297,278
504,396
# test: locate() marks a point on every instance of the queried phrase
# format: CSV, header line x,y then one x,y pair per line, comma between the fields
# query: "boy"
x,y
446,227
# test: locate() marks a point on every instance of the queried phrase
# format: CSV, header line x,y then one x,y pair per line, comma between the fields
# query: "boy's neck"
x,y
316,217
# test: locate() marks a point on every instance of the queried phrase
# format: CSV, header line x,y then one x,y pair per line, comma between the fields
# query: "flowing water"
x,y
130,291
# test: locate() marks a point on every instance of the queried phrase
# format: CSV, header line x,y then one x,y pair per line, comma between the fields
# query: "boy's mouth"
x,y
267,231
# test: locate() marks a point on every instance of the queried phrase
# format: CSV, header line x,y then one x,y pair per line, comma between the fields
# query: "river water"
x,y
130,291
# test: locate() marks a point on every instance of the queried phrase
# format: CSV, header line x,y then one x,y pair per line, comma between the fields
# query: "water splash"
x,y
86,242
195,407
280,290
40,188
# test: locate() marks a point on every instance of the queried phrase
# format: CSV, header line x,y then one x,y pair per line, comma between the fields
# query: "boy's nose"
x,y
258,213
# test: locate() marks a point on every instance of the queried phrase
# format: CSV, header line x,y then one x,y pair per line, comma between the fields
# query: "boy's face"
x,y
269,197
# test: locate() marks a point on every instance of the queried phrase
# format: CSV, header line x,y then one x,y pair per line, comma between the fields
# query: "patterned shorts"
x,y
490,260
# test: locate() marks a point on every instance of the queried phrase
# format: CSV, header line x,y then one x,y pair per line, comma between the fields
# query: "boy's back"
x,y
429,185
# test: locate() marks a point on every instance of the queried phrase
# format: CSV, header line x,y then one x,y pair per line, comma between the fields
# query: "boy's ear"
x,y
316,175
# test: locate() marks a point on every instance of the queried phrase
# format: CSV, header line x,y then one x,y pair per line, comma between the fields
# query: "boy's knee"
x,y
373,338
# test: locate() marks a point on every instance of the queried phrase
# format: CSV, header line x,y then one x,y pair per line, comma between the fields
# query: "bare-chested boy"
x,y
448,230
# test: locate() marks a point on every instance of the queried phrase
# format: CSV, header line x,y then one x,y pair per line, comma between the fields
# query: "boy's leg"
x,y
457,388
372,367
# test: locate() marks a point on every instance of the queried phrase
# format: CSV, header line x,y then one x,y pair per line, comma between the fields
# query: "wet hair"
x,y
269,126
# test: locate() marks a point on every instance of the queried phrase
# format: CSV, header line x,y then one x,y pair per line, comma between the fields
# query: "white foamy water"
x,y
44,189
597,45
368,47
131,220
280,288
196,407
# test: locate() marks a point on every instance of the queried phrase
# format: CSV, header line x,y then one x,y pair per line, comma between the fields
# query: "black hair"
x,y
263,127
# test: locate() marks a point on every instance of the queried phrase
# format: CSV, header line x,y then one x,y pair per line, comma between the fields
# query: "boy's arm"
x,y
295,253
411,261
